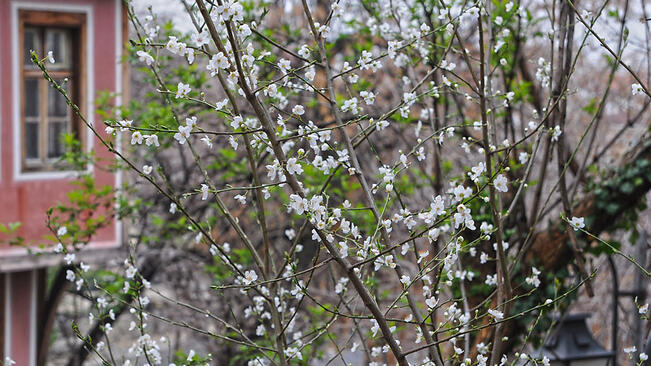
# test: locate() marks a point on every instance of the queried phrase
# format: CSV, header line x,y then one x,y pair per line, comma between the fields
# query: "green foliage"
x,y
9,228
182,358
87,210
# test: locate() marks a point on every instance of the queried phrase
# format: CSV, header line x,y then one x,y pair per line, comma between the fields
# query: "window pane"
x,y
31,42
31,140
58,41
56,102
57,111
32,98
55,131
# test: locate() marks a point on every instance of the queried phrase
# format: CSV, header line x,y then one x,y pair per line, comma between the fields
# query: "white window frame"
x,y
19,174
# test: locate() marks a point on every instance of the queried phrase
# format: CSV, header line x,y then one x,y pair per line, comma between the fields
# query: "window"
x,y
46,117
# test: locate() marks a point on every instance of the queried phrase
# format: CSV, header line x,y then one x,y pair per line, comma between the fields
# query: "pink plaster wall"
x,y
21,316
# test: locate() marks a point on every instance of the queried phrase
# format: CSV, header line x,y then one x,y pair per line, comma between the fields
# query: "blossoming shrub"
x,y
377,167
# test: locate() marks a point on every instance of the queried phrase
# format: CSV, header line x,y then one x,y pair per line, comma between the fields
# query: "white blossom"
x,y
577,223
204,191
501,183
249,277
182,90
293,167
145,57
498,315
556,133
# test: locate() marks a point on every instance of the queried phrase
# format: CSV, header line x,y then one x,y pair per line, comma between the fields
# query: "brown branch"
x,y
566,25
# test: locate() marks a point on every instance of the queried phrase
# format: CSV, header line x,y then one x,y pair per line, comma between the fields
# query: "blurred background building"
x,y
86,40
